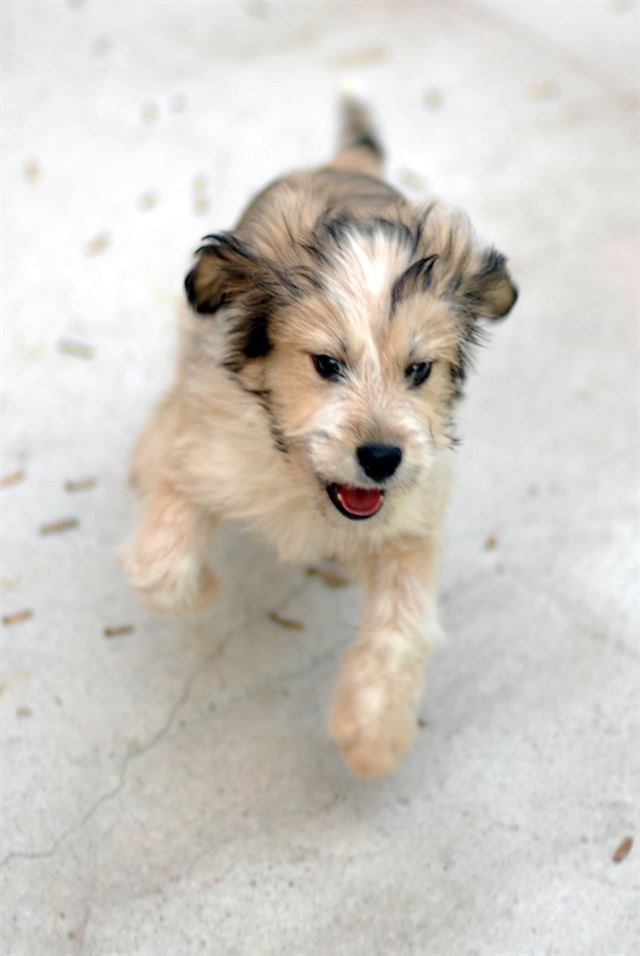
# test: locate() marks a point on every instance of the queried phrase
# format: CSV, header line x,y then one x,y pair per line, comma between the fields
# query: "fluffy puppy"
x,y
314,402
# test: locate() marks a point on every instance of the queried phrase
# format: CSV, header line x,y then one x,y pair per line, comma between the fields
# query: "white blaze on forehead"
x,y
370,258
367,267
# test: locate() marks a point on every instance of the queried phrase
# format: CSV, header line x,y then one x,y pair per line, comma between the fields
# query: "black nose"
x,y
379,461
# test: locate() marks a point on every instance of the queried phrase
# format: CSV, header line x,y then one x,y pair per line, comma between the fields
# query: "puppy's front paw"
x,y
373,718
170,589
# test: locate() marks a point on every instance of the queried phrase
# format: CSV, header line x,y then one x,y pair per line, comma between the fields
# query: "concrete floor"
x,y
172,790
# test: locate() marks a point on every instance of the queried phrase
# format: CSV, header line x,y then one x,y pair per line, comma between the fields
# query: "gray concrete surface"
x,y
172,791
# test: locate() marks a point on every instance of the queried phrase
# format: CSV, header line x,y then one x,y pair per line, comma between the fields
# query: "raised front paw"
x,y
374,715
171,589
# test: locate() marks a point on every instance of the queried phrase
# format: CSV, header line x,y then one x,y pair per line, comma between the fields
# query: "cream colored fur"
x,y
208,452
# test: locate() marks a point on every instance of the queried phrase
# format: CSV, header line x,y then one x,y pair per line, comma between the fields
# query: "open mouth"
x,y
355,503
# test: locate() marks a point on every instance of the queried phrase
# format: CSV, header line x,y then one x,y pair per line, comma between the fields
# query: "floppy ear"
x,y
223,271
229,272
489,292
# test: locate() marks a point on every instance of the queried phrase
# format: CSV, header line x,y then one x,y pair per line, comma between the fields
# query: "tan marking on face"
x,y
373,402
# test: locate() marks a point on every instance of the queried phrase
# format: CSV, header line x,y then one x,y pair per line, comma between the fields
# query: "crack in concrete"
x,y
157,736
112,793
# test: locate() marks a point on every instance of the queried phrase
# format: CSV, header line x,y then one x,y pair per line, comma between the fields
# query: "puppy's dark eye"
x,y
417,373
328,367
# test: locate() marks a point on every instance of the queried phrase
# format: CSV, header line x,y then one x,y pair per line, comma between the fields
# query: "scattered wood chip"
x,y
433,98
149,113
544,91
101,46
199,183
80,484
411,180
31,171
201,204
177,103
533,491
148,200
120,630
258,9
73,347
57,527
621,6
13,478
366,57
623,850
628,101
97,245
17,617
332,579
288,623
24,712
491,543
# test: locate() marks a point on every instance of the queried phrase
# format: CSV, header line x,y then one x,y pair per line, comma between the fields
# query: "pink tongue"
x,y
359,501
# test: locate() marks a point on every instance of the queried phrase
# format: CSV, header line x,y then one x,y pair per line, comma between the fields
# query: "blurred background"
x,y
170,787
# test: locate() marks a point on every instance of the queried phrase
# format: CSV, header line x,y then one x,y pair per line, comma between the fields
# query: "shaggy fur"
x,y
335,322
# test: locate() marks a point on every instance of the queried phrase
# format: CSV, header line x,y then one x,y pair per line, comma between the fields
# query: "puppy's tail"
x,y
359,149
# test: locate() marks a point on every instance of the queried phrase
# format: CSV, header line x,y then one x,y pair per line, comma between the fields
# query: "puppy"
x,y
314,401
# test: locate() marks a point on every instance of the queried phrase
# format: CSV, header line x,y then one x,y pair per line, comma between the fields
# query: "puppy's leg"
x,y
165,560
374,713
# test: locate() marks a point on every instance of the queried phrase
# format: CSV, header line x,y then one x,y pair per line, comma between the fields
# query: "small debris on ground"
x,y
24,712
101,46
120,630
544,91
288,623
73,347
200,204
258,9
31,171
148,200
411,180
621,6
622,850
177,103
57,527
433,98
200,201
97,245
17,617
332,579
13,478
149,113
628,101
80,484
491,543
367,57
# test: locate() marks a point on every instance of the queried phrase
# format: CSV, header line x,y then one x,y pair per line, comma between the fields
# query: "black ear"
x,y
224,270
417,278
489,292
